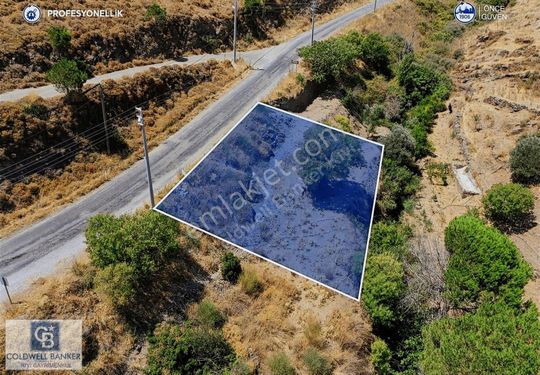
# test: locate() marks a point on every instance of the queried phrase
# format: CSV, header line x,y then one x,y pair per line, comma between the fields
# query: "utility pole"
x,y
102,97
140,121
5,282
313,10
375,6
235,29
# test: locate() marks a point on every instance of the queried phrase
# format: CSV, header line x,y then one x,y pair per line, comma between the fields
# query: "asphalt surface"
x,y
51,244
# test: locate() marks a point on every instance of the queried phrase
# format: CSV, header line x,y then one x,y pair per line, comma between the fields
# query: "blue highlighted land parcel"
x,y
289,190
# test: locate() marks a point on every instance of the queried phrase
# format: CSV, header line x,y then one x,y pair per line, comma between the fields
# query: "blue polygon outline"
x,y
258,255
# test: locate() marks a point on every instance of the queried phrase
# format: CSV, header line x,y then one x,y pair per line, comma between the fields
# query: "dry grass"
x,y
105,335
90,171
288,315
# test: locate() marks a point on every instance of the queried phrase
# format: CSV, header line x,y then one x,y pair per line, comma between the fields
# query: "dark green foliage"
x,y
145,241
67,75
493,340
509,206
332,58
316,363
37,110
389,238
156,12
253,7
127,250
280,364
384,285
230,267
375,53
400,146
381,356
118,283
482,260
59,38
184,350
525,160
398,184
209,316
419,80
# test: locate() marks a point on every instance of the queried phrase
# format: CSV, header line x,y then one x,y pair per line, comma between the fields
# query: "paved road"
x,y
47,246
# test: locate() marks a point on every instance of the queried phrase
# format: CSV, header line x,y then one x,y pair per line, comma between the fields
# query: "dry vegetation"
x,y
191,27
288,314
34,196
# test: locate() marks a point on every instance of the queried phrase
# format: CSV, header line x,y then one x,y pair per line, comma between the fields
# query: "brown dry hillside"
x,y
288,315
107,44
495,102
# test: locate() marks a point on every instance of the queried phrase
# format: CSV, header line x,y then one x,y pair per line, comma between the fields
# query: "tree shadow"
x,y
519,227
168,294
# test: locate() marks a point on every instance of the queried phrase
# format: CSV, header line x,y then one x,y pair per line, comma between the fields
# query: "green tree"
x,y
59,38
144,241
384,285
381,356
400,146
67,75
230,267
419,79
117,283
398,184
493,340
374,51
509,206
525,160
482,260
280,364
330,59
156,12
184,350
389,238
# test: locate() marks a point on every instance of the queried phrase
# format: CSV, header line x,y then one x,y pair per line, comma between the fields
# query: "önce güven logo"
x,y
465,12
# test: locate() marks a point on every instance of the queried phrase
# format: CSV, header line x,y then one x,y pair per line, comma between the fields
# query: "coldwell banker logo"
x,y
31,13
465,12
43,344
45,336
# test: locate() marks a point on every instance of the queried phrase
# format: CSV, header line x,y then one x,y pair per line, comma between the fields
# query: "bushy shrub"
x,y
375,53
252,7
230,267
144,241
398,184
250,282
117,283
493,340
127,250
184,350
384,285
389,238
280,364
209,316
67,76
420,80
525,160
380,357
482,260
313,331
316,363
509,206
59,38
37,110
400,146
330,59
156,12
